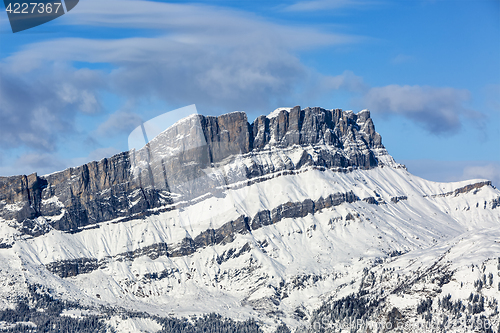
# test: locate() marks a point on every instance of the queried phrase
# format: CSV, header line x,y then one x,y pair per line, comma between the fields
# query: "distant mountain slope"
x,y
301,217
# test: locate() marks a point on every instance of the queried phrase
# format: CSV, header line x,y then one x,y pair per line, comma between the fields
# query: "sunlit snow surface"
x,y
430,225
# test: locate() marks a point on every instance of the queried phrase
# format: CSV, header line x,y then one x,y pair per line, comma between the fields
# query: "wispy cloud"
x,y
439,110
346,81
118,123
320,5
204,54
201,24
37,110
489,171
217,58
44,163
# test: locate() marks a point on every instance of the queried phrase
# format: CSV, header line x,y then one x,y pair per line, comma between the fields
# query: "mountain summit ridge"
x,y
343,140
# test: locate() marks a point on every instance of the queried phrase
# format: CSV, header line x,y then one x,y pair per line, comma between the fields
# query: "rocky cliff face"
x,y
194,157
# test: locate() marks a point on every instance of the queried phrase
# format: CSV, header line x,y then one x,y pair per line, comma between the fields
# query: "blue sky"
x,y
72,90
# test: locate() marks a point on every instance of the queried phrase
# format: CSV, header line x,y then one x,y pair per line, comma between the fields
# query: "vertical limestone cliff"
x,y
175,163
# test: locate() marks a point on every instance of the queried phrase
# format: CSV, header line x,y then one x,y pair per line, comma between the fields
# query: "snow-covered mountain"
x,y
299,218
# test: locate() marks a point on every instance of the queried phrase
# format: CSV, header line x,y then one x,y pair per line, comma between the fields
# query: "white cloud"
x,y
345,81
439,110
201,54
119,122
320,5
200,24
489,171
214,57
219,59
41,163
38,109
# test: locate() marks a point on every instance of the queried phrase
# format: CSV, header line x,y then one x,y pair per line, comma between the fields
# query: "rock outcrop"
x,y
222,235
196,156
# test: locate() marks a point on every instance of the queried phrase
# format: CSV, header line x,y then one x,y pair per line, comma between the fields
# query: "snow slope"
x,y
307,258
415,238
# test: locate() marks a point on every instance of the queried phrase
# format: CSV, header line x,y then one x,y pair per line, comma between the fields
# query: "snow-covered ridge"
x,y
275,220
293,255
194,155
280,191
